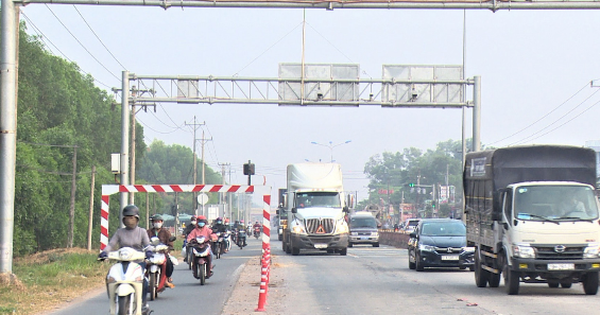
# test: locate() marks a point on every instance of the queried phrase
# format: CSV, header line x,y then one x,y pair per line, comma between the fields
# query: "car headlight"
x,y
468,249
374,233
523,251
354,233
427,248
592,251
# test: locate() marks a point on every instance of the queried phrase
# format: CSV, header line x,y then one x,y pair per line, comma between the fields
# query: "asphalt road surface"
x,y
366,281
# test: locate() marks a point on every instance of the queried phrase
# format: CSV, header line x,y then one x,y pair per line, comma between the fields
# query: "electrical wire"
x,y
264,52
529,138
81,44
97,37
45,38
540,119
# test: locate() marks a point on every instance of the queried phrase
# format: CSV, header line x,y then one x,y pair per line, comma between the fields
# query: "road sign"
x,y
202,199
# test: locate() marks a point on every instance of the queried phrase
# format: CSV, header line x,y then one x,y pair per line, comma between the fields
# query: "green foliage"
x,y
58,108
174,164
397,171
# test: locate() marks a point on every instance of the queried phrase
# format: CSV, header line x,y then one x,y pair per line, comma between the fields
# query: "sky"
x,y
535,67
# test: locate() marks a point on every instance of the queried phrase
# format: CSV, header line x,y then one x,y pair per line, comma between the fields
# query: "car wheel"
x,y
418,263
411,264
349,244
376,244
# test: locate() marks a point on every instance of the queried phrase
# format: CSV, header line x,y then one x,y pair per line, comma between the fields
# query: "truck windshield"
x,y
555,203
318,199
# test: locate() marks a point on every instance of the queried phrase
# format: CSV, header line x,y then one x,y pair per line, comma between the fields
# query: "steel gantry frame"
x,y
8,66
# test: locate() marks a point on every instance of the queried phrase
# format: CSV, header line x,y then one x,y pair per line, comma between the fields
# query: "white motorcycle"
x,y
125,282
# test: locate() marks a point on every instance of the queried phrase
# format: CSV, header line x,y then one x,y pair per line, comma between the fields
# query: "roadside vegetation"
x,y
45,280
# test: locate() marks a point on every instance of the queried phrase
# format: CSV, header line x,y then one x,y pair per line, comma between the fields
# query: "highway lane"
x,y
378,281
188,296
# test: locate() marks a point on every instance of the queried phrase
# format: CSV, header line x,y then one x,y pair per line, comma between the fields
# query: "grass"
x,y
45,280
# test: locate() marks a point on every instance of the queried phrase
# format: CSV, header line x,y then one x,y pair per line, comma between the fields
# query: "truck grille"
x,y
549,252
319,226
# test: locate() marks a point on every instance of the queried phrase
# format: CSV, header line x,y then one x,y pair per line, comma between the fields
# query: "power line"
x,y
81,44
45,38
540,119
557,120
97,37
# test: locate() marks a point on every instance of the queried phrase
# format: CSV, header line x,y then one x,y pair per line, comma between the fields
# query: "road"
x,y
366,281
188,296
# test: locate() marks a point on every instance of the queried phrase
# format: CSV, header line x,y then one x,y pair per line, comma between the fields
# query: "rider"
x,y
131,236
163,235
202,229
256,225
219,227
188,229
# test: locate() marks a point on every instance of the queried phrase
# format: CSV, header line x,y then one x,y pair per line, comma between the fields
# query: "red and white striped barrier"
x,y
265,270
108,190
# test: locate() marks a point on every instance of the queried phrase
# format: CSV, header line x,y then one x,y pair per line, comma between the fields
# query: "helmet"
x,y
156,217
219,219
131,210
193,218
201,218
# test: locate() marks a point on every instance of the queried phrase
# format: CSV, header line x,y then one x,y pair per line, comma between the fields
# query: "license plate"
x,y
320,246
364,238
561,266
450,257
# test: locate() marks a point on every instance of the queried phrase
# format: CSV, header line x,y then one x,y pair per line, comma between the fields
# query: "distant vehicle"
x,y
439,243
363,229
315,209
409,225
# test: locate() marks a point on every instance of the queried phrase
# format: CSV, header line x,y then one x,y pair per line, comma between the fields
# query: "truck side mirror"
x,y
294,210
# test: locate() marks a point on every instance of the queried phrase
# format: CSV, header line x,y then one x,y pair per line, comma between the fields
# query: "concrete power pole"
x,y
195,176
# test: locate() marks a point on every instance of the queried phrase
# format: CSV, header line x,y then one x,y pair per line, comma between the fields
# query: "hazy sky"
x,y
535,66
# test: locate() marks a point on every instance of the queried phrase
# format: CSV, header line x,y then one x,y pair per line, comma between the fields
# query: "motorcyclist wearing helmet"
x,y
219,227
188,229
164,236
131,236
202,229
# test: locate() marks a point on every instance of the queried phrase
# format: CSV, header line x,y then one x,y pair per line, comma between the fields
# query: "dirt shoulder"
x,y
245,296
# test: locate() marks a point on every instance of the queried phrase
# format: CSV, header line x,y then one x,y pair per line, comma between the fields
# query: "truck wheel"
x,y
481,276
494,280
553,283
344,251
295,251
590,283
511,280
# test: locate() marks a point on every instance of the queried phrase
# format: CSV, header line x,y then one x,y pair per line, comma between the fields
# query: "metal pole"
x,y
8,131
477,114
71,232
125,116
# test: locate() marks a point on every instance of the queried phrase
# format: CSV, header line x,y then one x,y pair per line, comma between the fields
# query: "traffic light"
x,y
411,185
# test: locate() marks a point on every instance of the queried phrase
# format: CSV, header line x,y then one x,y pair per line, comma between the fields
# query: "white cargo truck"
x,y
316,210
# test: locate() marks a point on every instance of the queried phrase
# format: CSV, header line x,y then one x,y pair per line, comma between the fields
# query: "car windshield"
x,y
318,199
363,223
450,228
555,203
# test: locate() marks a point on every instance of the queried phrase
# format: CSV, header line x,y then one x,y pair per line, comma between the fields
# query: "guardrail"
x,y
396,239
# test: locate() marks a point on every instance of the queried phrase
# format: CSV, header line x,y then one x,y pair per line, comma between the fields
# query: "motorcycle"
x,y
156,267
125,282
218,245
257,232
200,248
226,242
241,238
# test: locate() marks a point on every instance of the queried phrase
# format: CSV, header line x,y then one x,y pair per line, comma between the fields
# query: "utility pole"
x,y
223,198
195,126
91,221
72,206
203,141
